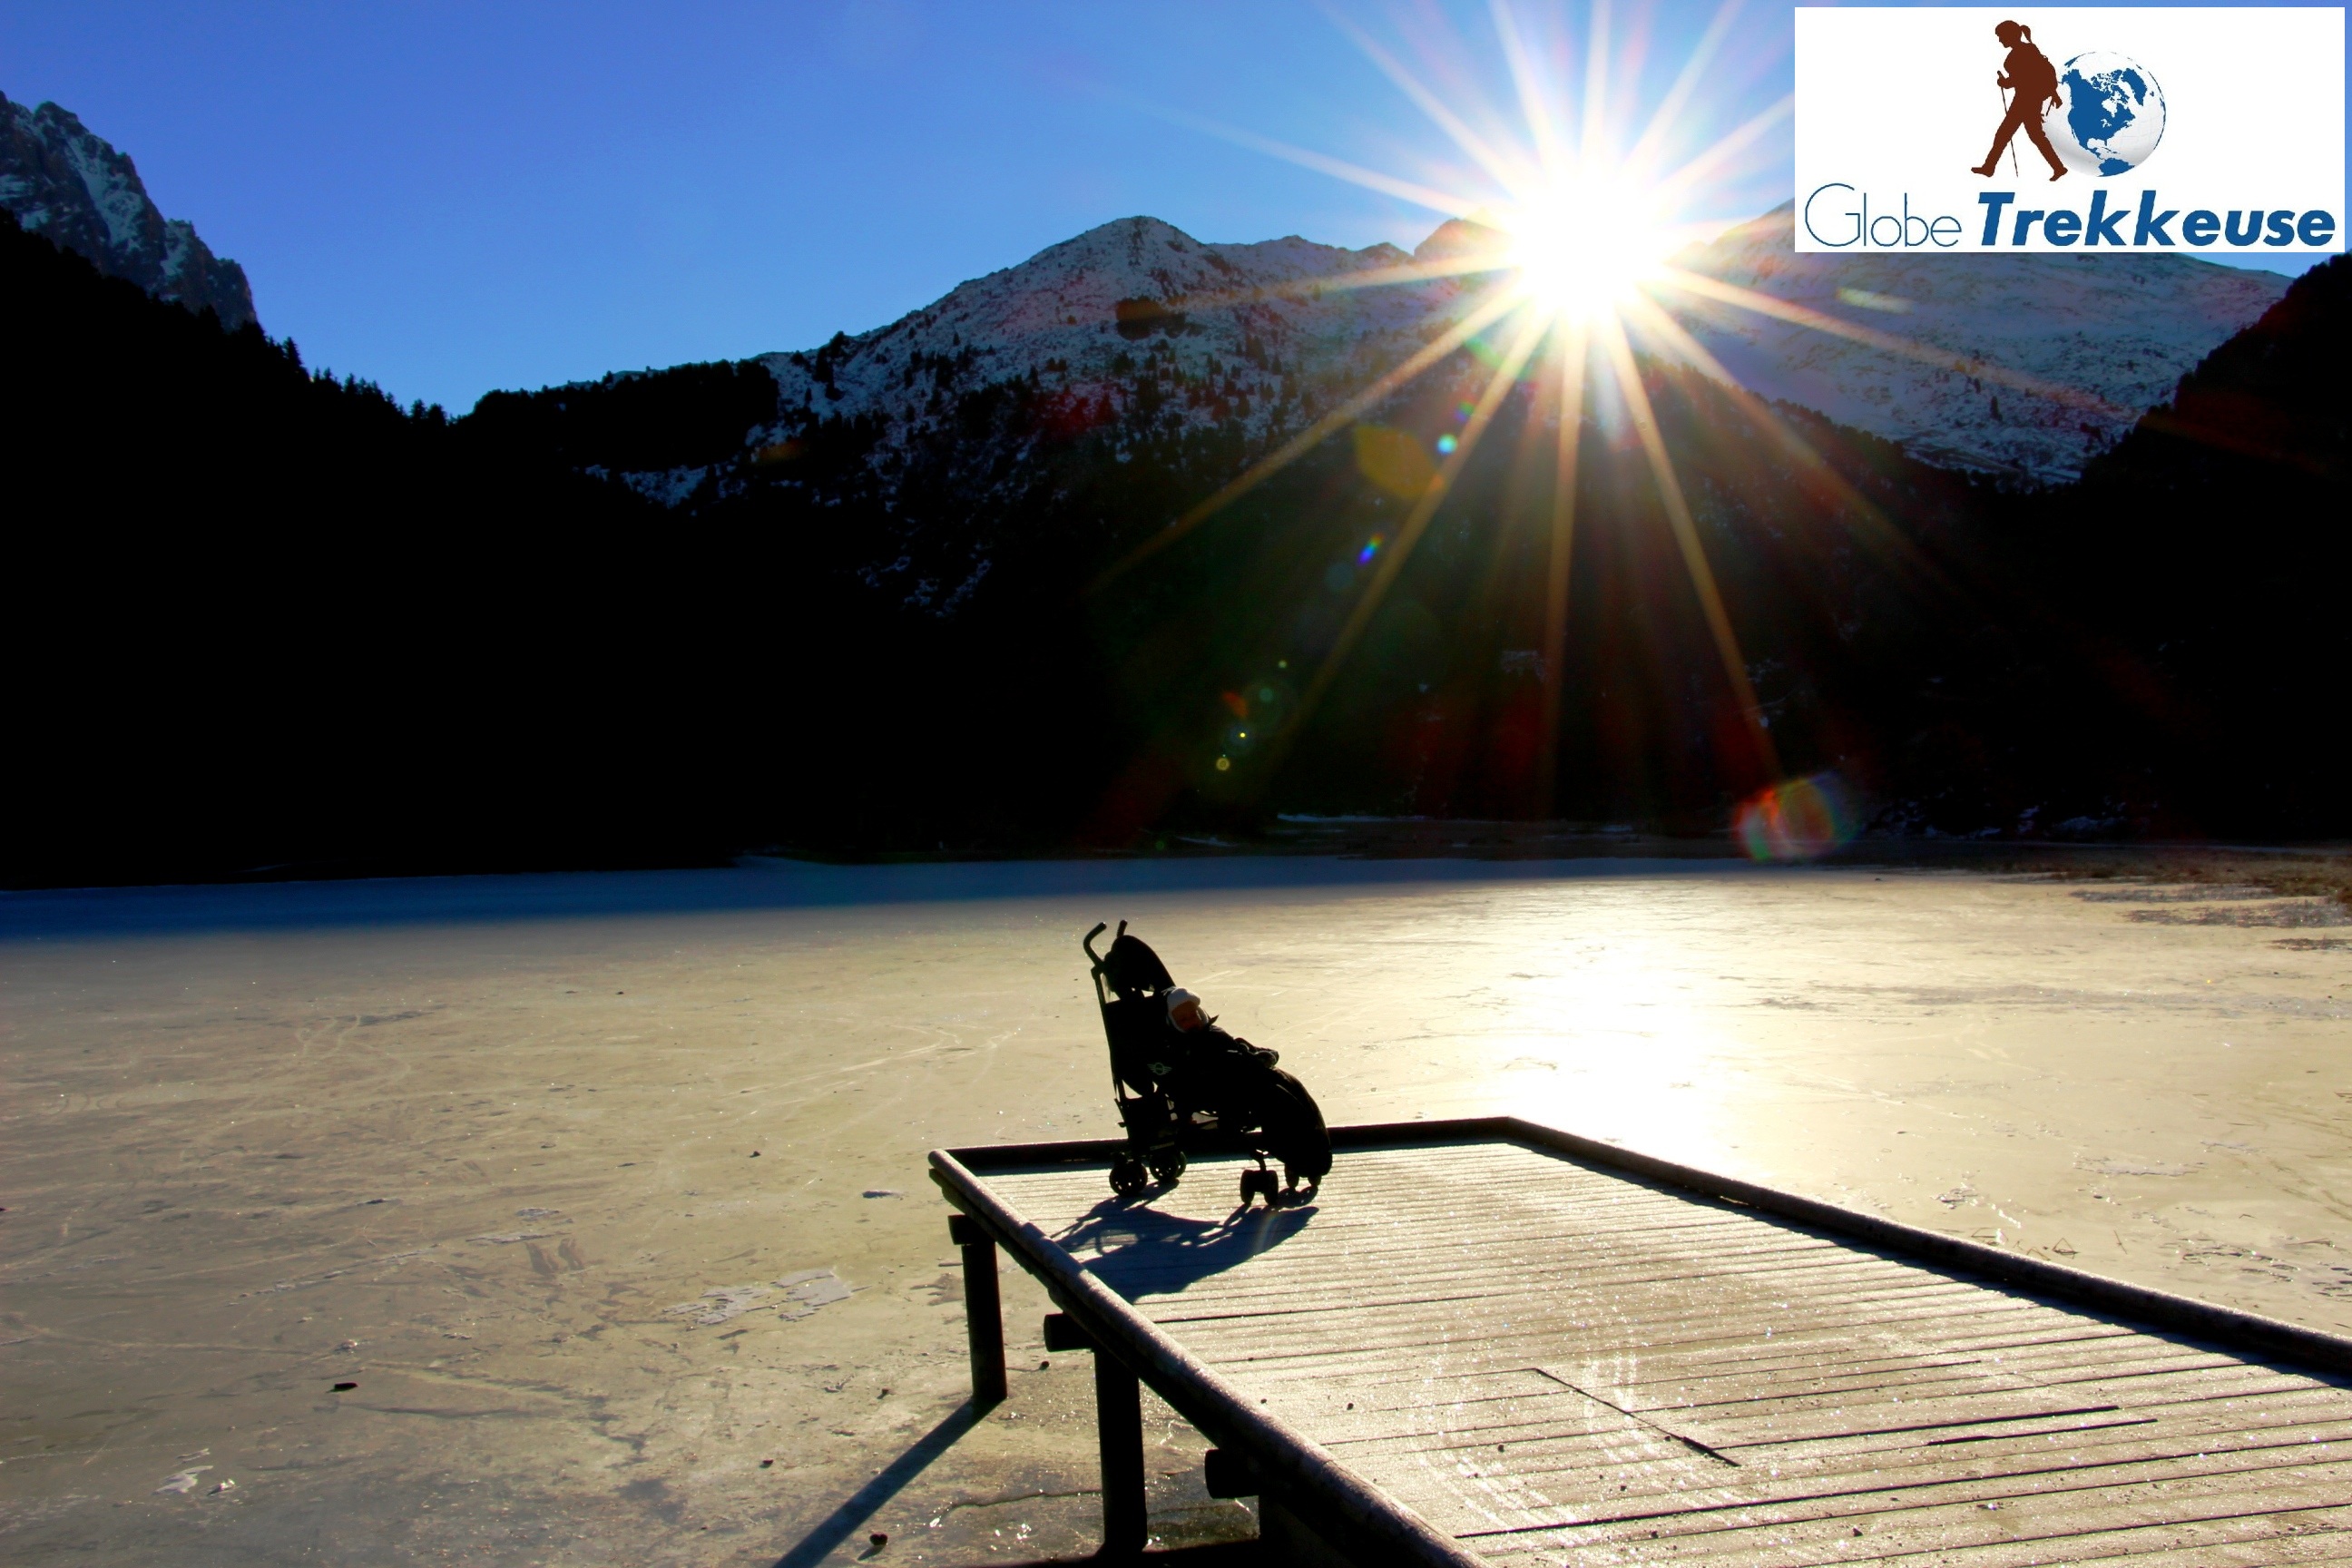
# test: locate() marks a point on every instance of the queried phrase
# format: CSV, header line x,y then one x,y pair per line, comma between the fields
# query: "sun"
x,y
1566,237
1584,244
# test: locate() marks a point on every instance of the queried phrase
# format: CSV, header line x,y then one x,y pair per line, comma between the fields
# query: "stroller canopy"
x,y
1133,970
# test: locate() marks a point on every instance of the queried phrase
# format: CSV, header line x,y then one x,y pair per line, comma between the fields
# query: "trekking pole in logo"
x,y
2030,84
2012,145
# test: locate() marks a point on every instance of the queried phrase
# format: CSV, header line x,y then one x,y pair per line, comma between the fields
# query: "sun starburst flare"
x,y
1567,237
1585,246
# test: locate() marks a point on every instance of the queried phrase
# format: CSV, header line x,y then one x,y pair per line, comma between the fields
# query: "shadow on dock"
x,y
1136,1249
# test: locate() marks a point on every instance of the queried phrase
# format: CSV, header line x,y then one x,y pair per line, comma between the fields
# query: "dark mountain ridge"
x,y
272,619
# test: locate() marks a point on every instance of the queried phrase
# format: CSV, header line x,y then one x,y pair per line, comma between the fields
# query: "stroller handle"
x,y
1088,942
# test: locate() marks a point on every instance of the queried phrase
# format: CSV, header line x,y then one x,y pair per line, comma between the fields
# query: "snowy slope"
x,y
1249,329
2025,364
71,186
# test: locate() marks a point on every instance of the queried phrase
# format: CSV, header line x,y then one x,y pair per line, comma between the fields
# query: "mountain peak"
x,y
1231,325
1459,236
72,187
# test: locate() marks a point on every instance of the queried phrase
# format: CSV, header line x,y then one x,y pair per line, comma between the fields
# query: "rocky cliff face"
x,y
74,189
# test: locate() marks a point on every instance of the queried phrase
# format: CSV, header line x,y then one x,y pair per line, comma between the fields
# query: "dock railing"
x,y
1312,1505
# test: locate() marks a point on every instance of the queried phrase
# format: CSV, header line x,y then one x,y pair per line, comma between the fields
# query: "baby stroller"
x,y
1177,1094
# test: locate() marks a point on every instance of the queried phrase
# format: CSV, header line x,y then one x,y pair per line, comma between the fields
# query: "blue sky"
x,y
452,197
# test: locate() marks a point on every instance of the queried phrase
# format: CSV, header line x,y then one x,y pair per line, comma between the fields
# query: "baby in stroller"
x,y
1195,1087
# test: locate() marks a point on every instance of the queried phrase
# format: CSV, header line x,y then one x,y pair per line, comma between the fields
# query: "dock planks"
x,y
1548,1362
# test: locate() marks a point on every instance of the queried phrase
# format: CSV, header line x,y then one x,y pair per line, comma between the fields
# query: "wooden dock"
x,y
1492,1342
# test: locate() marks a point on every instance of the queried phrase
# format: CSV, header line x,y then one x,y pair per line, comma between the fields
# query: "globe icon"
x,y
2110,114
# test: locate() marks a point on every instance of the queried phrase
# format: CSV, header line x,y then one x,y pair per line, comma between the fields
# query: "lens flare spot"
x,y
1224,764
1462,412
1801,819
1394,460
1371,548
1446,445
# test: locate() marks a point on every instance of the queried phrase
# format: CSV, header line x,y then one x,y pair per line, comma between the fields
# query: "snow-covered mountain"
x,y
2023,364
2027,365
1246,332
71,186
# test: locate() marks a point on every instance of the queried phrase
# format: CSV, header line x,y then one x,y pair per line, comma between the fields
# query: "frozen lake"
x,y
462,1143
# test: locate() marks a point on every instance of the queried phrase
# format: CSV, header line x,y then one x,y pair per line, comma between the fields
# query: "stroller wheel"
x,y
1127,1176
1169,1168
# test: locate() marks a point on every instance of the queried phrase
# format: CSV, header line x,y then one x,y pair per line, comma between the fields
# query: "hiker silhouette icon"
x,y
2028,83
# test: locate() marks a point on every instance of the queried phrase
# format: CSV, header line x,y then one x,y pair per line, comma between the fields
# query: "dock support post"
x,y
983,1310
1119,1433
1118,1426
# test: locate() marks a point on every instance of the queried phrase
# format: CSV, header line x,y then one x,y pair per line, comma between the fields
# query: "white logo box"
x,y
1896,107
